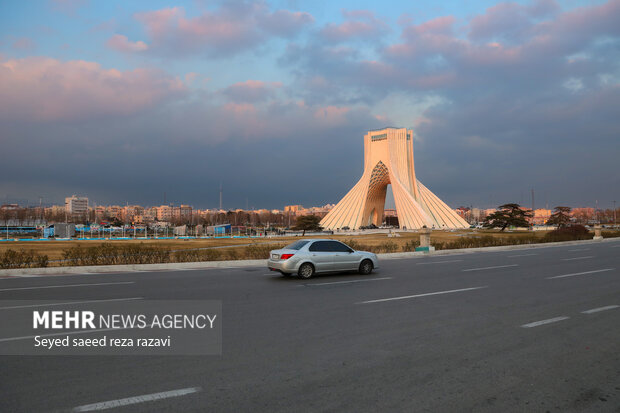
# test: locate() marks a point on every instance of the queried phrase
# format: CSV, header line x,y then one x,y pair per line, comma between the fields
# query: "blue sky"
x,y
122,101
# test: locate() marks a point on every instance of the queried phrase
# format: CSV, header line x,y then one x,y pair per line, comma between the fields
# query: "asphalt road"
x,y
530,330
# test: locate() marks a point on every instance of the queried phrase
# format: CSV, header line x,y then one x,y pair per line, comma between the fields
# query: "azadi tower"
x,y
388,159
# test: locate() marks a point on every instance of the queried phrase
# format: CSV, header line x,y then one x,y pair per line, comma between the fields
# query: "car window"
x,y
338,246
296,245
320,246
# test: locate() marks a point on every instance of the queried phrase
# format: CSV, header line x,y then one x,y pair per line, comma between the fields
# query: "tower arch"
x,y
388,159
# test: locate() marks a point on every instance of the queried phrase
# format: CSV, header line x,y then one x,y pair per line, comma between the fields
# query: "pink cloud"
x,y
120,43
231,28
40,88
358,24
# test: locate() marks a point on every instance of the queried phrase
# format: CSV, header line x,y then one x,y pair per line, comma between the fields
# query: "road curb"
x,y
102,269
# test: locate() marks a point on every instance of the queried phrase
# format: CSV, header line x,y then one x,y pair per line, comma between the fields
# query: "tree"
x,y
307,223
508,215
560,216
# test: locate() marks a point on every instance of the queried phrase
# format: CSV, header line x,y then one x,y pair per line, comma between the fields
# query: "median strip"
x,y
491,268
136,399
421,295
543,322
580,273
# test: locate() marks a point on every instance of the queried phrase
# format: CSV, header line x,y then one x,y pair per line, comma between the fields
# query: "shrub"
x,y
388,246
22,259
571,233
411,245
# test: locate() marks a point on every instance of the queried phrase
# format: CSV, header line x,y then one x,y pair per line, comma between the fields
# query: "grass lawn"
x,y
55,249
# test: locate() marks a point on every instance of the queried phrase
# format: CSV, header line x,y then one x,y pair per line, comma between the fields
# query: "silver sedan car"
x,y
307,257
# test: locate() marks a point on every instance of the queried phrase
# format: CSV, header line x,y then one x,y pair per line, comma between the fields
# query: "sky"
x,y
124,102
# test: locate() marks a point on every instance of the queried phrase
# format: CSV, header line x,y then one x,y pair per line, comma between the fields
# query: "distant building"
x,y
541,216
164,213
76,205
292,209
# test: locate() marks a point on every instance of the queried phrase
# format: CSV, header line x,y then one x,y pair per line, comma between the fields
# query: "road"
x,y
529,330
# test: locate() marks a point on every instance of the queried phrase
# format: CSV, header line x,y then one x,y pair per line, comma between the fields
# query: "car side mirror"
x,y
351,251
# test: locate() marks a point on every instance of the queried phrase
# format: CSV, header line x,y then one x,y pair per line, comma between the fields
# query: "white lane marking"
x,y
347,282
437,262
596,310
577,258
65,286
70,302
580,273
421,295
579,249
543,322
136,399
490,268
521,255
66,333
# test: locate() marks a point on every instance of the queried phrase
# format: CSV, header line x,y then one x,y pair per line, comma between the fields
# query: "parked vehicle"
x,y
308,257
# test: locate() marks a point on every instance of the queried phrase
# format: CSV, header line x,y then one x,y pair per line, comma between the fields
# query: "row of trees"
x,y
512,215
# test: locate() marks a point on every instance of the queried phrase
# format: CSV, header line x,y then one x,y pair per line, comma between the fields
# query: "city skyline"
x,y
123,102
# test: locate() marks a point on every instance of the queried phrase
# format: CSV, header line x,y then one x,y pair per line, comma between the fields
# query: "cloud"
x,y
511,21
358,24
230,29
120,43
24,44
251,91
40,88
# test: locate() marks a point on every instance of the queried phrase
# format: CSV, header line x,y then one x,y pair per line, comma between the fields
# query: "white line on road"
x,y
580,273
136,399
70,302
521,255
66,333
577,258
579,249
596,310
491,268
421,295
347,282
543,322
65,286
437,262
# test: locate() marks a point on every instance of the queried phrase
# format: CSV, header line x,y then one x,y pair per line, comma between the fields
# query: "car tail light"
x,y
286,256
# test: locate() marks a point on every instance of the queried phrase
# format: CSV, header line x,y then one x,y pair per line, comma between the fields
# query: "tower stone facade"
x,y
388,159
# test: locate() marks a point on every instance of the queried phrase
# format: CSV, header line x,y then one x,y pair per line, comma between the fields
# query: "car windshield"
x,y
296,245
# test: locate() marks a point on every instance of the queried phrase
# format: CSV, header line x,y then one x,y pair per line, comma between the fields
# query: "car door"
x,y
322,256
344,257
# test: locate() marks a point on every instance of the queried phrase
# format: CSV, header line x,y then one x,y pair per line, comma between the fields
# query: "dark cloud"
x,y
251,91
519,97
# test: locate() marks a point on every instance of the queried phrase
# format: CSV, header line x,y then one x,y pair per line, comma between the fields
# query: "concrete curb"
x,y
25,272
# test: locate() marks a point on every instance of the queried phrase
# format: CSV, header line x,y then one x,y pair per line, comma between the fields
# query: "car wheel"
x,y
365,267
306,270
